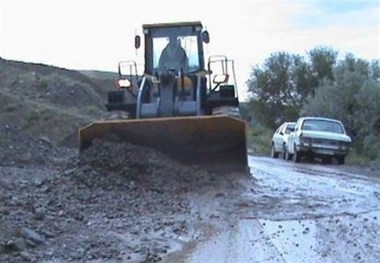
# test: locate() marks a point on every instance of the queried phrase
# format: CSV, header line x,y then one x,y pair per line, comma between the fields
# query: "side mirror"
x,y
137,41
220,78
205,37
123,83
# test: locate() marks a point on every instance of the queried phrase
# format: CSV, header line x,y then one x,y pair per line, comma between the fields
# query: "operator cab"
x,y
187,36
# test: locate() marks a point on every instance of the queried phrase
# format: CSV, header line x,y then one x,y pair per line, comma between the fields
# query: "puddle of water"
x,y
241,242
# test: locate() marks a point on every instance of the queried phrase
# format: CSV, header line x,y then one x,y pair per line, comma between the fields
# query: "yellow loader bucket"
x,y
213,142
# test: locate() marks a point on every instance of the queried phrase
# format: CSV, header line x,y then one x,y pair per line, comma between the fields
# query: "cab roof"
x,y
173,24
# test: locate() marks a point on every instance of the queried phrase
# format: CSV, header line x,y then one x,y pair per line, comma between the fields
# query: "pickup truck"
x,y
318,137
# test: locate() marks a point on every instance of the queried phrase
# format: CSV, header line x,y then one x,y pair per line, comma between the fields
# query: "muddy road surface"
x,y
128,204
303,212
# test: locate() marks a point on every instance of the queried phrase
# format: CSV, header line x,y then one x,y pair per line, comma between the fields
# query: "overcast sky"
x,y
97,34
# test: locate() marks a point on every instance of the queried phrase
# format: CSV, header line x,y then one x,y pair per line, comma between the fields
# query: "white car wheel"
x,y
273,153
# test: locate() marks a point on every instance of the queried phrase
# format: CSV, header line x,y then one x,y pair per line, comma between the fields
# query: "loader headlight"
x,y
124,83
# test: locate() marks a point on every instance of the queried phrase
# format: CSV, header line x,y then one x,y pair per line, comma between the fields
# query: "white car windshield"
x,y
323,125
289,128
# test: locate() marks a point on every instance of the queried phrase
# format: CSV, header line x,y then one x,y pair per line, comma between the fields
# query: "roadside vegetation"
x,y
321,83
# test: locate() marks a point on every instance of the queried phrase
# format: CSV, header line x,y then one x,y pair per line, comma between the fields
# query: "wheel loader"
x,y
187,108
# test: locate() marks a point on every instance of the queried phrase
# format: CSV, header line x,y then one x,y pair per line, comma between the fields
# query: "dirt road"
x,y
116,211
297,213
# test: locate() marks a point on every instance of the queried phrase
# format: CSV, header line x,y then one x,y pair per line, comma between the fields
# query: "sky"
x,y
97,34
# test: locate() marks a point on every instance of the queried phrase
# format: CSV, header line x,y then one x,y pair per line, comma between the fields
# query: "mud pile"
x,y
143,165
116,202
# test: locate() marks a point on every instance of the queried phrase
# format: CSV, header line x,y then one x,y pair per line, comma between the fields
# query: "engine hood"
x,y
326,135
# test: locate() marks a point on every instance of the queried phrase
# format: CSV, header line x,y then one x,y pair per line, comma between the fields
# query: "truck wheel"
x,y
273,152
340,159
327,159
297,155
288,156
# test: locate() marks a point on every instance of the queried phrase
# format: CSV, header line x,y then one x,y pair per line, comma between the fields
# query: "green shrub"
x,y
11,107
259,138
36,117
371,146
356,158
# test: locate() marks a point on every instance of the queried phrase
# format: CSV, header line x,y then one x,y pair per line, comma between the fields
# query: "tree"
x,y
279,87
322,63
353,97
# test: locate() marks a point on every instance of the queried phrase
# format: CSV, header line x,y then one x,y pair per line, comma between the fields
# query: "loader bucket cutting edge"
x,y
213,142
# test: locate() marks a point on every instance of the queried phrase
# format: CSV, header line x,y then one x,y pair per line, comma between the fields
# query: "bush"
x,y
11,107
259,139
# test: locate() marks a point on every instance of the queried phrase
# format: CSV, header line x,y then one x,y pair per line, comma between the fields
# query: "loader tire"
x,y
227,111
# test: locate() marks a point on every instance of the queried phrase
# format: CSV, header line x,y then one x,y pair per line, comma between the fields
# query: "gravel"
x,y
116,202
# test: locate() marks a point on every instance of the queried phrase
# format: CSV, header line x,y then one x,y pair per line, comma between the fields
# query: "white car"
x,y
280,139
318,137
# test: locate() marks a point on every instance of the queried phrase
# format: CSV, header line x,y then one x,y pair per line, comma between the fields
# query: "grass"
x,y
35,117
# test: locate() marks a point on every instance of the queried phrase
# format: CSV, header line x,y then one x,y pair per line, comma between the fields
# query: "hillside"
x,y
36,95
40,101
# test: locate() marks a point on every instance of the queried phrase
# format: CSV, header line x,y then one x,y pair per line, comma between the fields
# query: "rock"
x,y
26,256
46,140
46,189
47,233
20,244
31,236
14,245
15,201
30,243
79,217
39,214
38,182
78,254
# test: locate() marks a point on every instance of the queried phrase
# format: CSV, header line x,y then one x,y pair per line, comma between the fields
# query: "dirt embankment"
x,y
42,100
